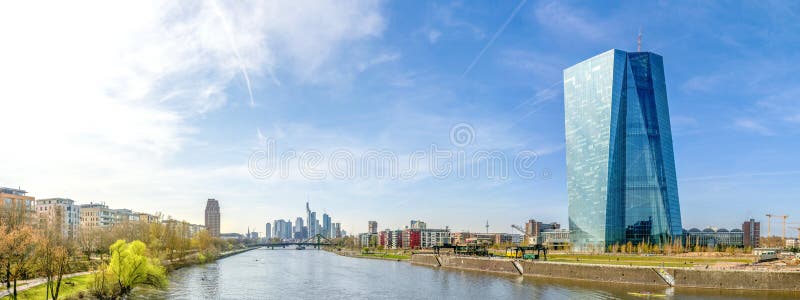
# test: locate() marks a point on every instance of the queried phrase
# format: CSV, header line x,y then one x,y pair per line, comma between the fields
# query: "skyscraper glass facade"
x,y
621,180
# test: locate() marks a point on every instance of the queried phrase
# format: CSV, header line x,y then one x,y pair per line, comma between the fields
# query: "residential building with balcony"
x,y
60,214
16,207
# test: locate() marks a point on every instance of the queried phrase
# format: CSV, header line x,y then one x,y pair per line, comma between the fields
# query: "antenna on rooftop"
x,y
487,226
639,41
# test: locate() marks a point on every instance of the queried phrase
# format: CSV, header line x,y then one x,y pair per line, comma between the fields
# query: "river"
x,y
314,274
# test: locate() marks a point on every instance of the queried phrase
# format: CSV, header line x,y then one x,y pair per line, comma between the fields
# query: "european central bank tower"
x,y
621,181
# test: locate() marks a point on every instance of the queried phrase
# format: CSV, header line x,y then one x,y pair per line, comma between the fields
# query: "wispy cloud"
x,y
704,83
740,175
542,66
754,126
793,118
120,102
560,17
433,36
380,59
446,15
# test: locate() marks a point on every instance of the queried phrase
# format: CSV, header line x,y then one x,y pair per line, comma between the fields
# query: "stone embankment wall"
x,y
425,260
754,280
606,273
749,280
496,265
234,252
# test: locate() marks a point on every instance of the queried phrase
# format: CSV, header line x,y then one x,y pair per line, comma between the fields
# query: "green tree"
x,y
129,266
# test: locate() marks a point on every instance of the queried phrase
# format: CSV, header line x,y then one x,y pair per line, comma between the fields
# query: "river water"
x,y
314,274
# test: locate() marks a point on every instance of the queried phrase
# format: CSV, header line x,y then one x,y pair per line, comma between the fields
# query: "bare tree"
x,y
54,251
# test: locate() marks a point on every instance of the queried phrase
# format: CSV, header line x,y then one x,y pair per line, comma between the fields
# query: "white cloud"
x,y
380,59
563,18
542,66
433,36
754,126
793,118
98,97
448,16
705,83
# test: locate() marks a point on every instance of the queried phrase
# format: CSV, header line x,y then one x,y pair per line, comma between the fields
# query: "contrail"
x,y
538,93
494,37
234,48
538,104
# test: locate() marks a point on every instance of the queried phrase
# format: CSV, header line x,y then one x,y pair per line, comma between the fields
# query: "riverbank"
x,y
381,256
194,260
78,283
657,276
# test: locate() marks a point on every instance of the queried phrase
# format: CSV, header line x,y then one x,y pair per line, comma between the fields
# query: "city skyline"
x,y
173,129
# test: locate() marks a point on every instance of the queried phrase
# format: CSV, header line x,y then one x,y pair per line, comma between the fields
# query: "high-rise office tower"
x,y
310,221
268,231
283,229
276,228
336,230
298,228
313,224
373,227
212,217
326,225
621,182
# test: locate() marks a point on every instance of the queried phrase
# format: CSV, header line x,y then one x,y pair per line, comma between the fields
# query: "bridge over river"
x,y
316,242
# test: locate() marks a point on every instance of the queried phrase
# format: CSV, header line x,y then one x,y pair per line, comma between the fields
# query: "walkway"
x,y
34,282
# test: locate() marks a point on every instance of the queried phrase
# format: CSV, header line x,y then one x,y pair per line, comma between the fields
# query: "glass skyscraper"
x,y
621,180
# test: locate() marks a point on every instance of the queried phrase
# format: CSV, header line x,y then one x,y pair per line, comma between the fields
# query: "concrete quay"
x,y
677,277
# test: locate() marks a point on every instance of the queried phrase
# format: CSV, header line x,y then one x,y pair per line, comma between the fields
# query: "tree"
x,y
129,266
54,254
12,217
55,263
18,248
88,241
204,244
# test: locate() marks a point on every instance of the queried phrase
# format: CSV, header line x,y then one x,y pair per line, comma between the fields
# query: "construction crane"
x,y
796,226
798,231
518,228
528,239
795,242
769,225
784,226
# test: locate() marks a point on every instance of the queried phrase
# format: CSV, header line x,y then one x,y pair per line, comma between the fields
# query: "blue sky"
x,y
149,106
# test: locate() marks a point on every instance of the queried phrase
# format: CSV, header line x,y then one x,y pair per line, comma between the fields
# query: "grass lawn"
x,y
387,255
79,283
668,261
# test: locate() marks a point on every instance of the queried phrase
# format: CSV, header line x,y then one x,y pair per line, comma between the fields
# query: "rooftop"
x,y
18,192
